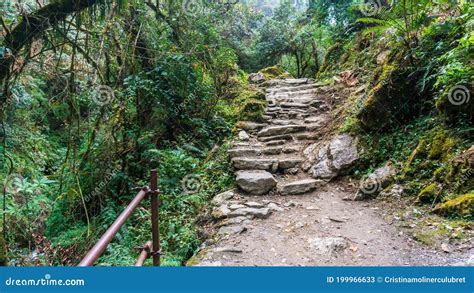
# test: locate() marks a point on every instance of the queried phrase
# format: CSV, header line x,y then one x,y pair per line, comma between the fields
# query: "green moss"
x,y
428,194
461,206
441,145
417,152
273,72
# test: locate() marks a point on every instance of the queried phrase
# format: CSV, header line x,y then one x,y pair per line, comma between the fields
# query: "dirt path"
x,y
294,219
322,228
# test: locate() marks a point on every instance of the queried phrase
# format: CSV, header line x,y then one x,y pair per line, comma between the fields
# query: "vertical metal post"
x,y
155,217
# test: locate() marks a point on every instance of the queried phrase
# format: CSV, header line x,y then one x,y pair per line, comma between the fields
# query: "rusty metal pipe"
x,y
144,254
155,217
109,235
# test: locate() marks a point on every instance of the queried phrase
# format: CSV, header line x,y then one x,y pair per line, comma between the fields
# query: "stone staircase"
x,y
268,157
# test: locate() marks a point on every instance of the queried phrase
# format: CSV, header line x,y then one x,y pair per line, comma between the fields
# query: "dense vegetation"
x,y
97,93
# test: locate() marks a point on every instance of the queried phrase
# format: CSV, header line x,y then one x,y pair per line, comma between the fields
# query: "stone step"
x,y
279,130
299,187
250,126
244,152
266,164
290,82
285,137
255,181
284,89
259,151
294,93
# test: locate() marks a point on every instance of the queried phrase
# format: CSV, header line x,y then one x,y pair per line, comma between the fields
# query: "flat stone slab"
x,y
298,187
244,152
255,181
252,164
261,213
289,163
279,130
276,137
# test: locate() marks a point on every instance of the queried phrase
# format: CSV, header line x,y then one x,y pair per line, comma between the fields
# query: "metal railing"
x,y
149,249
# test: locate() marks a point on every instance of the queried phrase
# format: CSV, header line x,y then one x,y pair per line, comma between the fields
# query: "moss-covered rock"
x,y
274,72
461,206
251,105
429,194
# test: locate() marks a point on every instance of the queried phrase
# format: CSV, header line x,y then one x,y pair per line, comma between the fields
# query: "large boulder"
x,y
330,159
256,181
343,151
376,182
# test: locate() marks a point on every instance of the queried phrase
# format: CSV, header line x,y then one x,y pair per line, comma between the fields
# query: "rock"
x,y
222,197
323,170
298,187
255,181
244,220
331,159
220,212
461,206
236,206
375,182
394,191
343,151
274,207
289,163
256,78
231,230
272,150
257,213
243,136
254,204
244,152
249,126
280,130
252,164
328,245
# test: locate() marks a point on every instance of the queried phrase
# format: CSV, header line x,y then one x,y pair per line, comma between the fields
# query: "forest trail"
x,y
292,219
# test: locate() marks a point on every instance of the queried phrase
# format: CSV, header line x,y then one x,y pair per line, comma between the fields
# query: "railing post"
x,y
155,217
